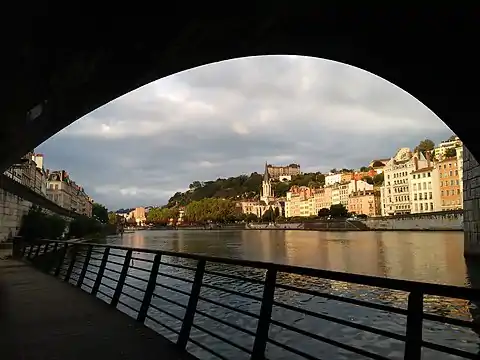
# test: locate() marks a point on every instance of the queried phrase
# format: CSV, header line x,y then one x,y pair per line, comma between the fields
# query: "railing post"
x,y
192,306
71,264
263,326
121,279
61,259
147,298
413,342
85,266
46,248
101,270
30,251
38,250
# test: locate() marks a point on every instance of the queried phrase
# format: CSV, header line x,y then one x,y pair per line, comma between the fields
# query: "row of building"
x,y
413,182
54,185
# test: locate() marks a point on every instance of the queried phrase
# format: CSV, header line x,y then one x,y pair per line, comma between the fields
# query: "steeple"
x,y
266,177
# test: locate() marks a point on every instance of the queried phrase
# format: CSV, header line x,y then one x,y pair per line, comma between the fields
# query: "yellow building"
x,y
450,187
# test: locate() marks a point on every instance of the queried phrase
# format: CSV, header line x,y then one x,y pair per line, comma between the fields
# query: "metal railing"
x,y
137,282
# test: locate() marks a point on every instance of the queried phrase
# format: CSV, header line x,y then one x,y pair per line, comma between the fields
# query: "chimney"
x,y
415,161
427,155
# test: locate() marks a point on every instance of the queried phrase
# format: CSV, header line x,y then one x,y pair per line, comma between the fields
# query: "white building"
x,y
331,179
395,192
425,190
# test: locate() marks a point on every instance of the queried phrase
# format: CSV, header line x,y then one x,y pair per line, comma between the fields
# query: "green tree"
x,y
450,152
364,169
251,217
323,212
425,145
452,138
211,209
334,170
281,188
100,213
37,224
338,210
378,179
269,215
368,179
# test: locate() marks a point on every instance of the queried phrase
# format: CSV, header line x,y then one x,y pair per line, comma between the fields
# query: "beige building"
x,y
300,202
395,192
276,172
139,214
67,194
366,202
450,184
323,198
424,190
459,151
340,177
441,149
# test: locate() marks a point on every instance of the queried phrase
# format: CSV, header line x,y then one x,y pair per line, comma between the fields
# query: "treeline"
x,y
240,187
37,224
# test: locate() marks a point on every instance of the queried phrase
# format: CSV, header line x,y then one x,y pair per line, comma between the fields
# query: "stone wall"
x,y
471,203
12,208
438,221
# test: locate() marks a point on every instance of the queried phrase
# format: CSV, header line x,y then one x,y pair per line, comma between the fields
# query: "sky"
x,y
228,118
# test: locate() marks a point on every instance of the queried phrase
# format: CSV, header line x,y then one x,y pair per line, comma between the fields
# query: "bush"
x,y
36,224
84,226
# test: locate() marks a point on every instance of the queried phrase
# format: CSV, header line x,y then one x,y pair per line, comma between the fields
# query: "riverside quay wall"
x,y
434,221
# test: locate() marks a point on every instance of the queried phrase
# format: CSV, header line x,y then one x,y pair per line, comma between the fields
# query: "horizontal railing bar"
x,y
114,262
206,348
226,323
94,265
174,277
104,294
134,287
343,322
112,270
88,278
244,312
389,283
293,350
92,272
169,300
117,255
178,266
183,292
137,277
131,297
97,252
139,268
107,286
166,312
110,278
234,277
128,306
449,350
451,321
234,292
375,306
329,341
221,338
84,284
140,259
162,324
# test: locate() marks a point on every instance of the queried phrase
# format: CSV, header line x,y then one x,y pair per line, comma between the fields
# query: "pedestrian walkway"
x,y
42,317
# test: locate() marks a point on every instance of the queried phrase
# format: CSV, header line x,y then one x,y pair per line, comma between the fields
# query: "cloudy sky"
x,y
228,118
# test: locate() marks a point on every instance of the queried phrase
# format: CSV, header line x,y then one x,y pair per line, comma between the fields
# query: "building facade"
x,y
441,149
366,202
276,172
450,184
424,190
395,192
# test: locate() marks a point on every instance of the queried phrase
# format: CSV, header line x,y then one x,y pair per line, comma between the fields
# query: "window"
x,y
458,191
416,207
414,186
56,187
450,165
450,172
421,207
415,197
456,172
442,192
420,196
429,175
430,196
431,206
424,186
414,176
452,182
429,185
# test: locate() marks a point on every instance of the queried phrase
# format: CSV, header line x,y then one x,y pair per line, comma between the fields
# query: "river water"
x,y
435,257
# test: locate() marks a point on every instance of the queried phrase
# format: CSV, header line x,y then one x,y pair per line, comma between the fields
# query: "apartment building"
x,y
277,172
459,151
332,179
395,192
366,202
300,202
424,190
442,148
323,198
450,184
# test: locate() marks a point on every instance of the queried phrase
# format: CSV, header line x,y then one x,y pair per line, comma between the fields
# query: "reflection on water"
x,y
423,256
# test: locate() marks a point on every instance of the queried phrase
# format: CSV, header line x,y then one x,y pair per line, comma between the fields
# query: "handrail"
x,y
140,285
360,279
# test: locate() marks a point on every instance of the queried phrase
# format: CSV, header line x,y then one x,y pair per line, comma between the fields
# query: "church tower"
x,y
267,191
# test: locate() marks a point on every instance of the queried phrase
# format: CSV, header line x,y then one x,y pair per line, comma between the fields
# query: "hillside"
x,y
240,187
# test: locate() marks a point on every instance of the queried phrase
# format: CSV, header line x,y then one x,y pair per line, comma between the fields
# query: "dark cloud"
x,y
229,118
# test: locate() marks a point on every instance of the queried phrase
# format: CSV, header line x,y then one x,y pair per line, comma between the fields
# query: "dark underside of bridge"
x,y
58,67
